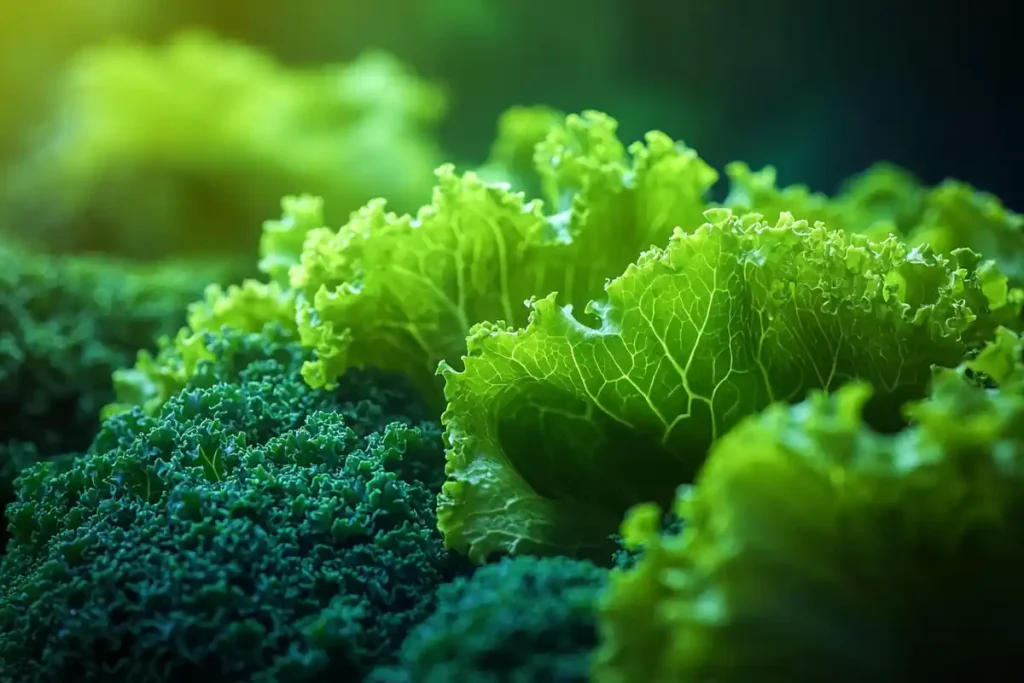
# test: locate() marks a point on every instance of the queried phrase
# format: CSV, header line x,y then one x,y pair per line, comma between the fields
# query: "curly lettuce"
x,y
402,292
885,200
555,429
954,214
815,548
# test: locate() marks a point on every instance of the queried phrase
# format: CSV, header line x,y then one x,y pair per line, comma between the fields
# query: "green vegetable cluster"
x,y
67,323
593,343
815,548
255,529
825,396
518,620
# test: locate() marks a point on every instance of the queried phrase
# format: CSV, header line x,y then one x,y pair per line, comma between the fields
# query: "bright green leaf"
x,y
556,429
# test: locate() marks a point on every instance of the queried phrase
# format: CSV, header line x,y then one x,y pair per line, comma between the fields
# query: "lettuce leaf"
x,y
556,429
814,548
401,293
886,200
883,199
954,214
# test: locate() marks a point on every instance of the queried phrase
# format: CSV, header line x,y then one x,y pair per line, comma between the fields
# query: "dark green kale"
x,y
520,620
66,323
254,530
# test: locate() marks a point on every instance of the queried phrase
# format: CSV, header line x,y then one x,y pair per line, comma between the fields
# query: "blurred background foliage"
x,y
109,142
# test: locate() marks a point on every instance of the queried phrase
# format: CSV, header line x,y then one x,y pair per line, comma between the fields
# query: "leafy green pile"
x,y
67,323
561,426
595,352
519,620
401,292
602,393
255,529
886,199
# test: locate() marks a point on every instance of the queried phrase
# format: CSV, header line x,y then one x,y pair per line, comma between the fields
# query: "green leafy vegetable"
x,y
815,548
556,429
67,323
957,215
255,529
886,199
401,292
520,620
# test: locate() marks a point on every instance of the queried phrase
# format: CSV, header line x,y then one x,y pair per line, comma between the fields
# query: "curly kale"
x,y
255,529
66,323
520,620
